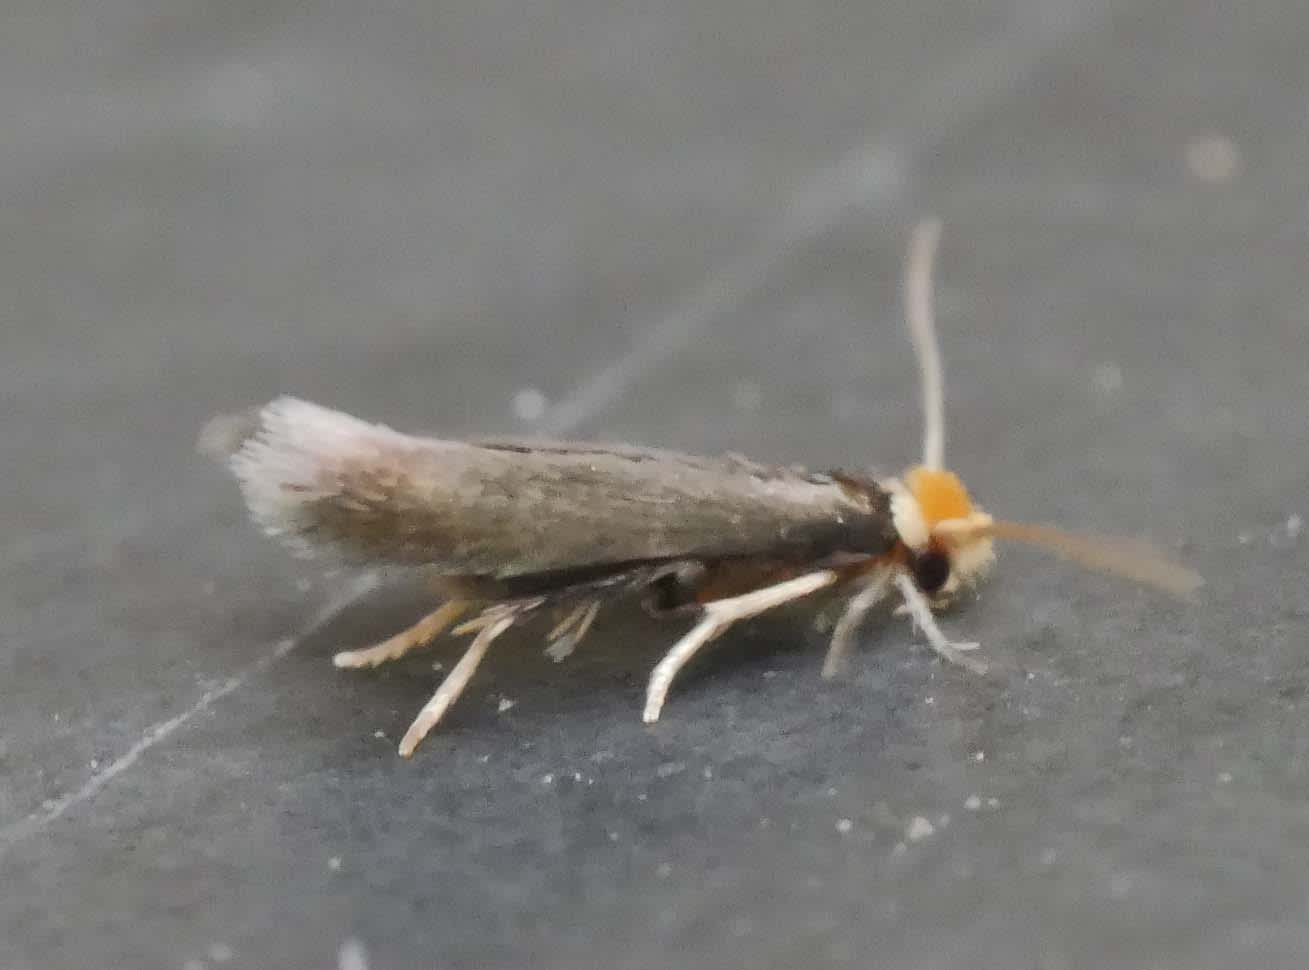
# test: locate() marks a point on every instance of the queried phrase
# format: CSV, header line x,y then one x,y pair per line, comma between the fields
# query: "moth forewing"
x,y
326,482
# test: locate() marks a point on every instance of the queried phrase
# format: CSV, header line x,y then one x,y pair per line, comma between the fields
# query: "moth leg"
x,y
565,637
920,611
420,634
495,612
838,652
453,685
718,616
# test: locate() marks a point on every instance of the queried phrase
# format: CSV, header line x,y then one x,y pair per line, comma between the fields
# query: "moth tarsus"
x,y
419,635
506,528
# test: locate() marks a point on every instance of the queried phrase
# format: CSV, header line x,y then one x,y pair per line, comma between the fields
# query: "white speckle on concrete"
x,y
973,803
380,735
824,621
919,828
844,826
1049,857
505,705
742,926
1224,777
220,952
707,772
1213,158
1108,379
530,404
334,863
663,870
1294,526
438,666
870,172
547,779
979,755
352,955
993,803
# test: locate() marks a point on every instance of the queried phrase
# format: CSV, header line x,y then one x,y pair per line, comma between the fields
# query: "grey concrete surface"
x,y
682,224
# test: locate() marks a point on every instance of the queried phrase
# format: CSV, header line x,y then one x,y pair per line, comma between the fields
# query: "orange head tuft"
x,y
940,494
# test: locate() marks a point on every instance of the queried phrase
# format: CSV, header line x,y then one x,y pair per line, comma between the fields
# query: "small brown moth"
x,y
506,528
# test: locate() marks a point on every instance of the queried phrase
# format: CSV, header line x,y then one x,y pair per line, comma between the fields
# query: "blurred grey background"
x,y
678,223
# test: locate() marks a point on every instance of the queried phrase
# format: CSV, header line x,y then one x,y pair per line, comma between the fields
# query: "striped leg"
x,y
873,592
420,634
920,611
453,685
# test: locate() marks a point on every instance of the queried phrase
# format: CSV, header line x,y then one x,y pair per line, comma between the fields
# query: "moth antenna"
x,y
922,330
1133,559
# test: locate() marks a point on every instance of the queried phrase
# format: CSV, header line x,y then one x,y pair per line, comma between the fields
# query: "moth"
x,y
506,529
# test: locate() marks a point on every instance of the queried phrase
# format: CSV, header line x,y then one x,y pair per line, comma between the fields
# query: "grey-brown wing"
x,y
324,480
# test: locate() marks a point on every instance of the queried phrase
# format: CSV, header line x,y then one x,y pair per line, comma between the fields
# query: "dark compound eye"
x,y
931,570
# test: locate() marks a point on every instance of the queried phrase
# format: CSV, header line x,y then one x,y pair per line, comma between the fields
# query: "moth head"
x,y
945,534
949,541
